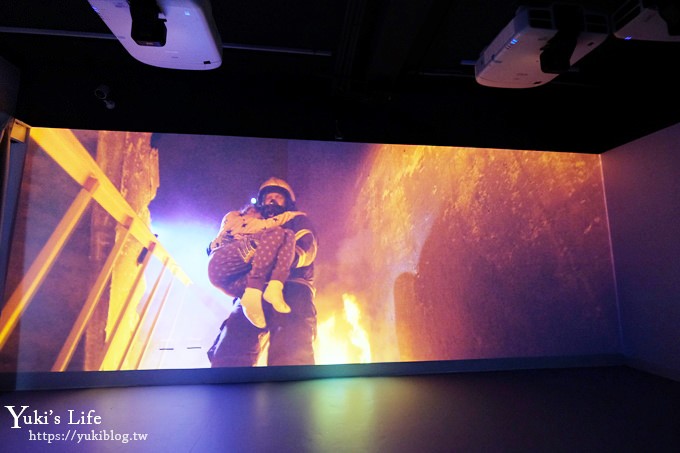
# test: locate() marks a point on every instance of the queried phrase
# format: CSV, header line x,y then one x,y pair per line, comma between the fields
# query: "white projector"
x,y
641,20
174,34
513,59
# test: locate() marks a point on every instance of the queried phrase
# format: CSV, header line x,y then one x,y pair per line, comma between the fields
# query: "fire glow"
x,y
345,340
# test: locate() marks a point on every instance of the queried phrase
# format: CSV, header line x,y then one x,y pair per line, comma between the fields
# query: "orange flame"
x,y
343,341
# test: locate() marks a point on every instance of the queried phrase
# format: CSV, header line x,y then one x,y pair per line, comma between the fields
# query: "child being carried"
x,y
250,258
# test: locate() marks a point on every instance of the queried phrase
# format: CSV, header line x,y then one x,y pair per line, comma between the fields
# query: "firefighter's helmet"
x,y
276,185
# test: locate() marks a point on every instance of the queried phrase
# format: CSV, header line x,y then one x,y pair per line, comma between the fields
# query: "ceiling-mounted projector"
x,y
648,21
174,34
539,44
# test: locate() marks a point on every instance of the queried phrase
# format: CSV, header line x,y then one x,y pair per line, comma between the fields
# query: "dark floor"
x,y
594,409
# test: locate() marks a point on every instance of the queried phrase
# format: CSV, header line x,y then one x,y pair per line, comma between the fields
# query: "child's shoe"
x,y
274,295
252,307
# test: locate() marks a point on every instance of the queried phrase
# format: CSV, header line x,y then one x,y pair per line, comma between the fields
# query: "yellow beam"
x,y
112,337
154,323
91,302
42,264
65,148
19,131
142,317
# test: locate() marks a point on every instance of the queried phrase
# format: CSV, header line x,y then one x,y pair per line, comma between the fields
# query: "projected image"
x,y
164,251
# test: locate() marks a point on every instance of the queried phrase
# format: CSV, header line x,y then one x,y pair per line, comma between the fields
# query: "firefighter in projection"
x,y
292,330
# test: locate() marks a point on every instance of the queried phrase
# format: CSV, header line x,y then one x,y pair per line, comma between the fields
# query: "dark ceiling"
x,y
379,71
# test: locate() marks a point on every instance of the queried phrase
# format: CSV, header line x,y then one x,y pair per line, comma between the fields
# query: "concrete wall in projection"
x,y
456,253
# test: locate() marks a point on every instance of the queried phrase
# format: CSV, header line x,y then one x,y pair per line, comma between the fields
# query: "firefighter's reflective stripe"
x,y
305,256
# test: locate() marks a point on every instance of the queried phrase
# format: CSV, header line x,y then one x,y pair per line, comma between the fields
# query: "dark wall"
x,y
643,190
